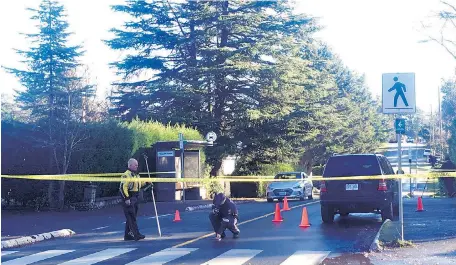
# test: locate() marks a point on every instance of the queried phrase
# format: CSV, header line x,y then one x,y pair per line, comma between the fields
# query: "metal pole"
x,y
410,165
183,173
401,208
181,146
416,158
153,198
440,127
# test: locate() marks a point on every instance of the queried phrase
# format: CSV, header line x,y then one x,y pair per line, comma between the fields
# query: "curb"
x,y
375,246
36,238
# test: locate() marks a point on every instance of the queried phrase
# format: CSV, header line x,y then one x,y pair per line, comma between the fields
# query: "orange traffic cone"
x,y
305,218
277,216
177,217
420,207
285,204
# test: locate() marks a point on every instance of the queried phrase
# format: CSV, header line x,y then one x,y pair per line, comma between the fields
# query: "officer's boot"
x,y
129,236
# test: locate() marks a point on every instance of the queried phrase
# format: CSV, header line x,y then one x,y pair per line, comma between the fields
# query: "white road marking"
x,y
234,257
159,216
99,256
99,228
306,258
7,252
36,257
163,256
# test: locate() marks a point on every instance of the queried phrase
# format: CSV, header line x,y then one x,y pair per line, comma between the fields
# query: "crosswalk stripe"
x,y
7,252
98,256
306,258
36,257
234,257
163,256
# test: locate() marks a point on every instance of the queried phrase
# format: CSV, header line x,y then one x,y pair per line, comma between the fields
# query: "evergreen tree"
x,y
208,64
248,70
53,92
449,116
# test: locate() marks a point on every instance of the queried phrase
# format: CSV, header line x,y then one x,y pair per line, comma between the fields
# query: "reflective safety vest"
x,y
129,188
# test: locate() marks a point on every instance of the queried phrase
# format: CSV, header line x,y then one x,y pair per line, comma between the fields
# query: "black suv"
x,y
358,196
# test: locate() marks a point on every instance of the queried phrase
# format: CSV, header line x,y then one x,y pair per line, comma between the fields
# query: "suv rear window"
x,y
356,165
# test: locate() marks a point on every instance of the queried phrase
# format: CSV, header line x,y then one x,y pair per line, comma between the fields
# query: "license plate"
x,y
351,186
282,193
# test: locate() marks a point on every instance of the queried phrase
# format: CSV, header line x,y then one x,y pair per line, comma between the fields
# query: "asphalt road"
x,y
191,240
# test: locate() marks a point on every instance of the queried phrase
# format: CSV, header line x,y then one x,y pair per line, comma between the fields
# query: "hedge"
x,y
106,149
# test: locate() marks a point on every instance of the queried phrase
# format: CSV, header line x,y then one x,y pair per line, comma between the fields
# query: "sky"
x,y
371,37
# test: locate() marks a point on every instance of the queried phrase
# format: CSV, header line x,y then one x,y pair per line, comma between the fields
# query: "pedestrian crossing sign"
x,y
398,93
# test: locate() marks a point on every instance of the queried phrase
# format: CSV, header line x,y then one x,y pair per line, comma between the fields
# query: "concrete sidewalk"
x,y
432,232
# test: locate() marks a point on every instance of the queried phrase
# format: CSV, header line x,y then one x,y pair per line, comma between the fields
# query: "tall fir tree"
x,y
207,64
248,70
53,94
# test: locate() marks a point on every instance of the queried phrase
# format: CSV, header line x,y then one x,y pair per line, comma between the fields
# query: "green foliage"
x,y
273,169
452,142
216,72
214,187
416,125
107,149
54,93
449,114
146,133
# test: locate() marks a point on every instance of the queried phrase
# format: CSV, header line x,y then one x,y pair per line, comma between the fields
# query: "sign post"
x,y
398,97
181,147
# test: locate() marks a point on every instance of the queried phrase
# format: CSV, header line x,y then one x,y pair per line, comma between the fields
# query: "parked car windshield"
x,y
340,166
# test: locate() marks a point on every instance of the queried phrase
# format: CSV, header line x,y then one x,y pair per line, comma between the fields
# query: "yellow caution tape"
x,y
107,177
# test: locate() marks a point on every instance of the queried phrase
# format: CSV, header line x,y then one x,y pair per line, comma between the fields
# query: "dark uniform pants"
x,y
131,211
220,225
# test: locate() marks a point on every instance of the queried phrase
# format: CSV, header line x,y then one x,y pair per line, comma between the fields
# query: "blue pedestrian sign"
x,y
398,93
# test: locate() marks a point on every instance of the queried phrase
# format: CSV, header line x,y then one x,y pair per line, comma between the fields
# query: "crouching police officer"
x,y
224,216
129,192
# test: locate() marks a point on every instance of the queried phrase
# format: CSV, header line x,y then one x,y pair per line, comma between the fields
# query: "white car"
x,y
299,189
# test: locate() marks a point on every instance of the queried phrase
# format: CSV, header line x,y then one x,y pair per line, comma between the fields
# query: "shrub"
x,y
106,149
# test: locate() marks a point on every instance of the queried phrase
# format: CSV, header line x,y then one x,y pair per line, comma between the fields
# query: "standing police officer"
x,y
129,192
224,215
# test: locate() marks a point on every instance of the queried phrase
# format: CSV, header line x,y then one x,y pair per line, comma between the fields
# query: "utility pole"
x,y
440,127
432,130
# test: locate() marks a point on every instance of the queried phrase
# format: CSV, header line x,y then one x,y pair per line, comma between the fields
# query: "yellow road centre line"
x,y
241,223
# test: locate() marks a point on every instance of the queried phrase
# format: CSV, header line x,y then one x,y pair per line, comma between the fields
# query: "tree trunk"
x,y
215,171
51,187
307,163
61,194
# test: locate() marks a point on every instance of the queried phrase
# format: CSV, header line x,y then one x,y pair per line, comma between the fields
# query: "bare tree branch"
x,y
447,31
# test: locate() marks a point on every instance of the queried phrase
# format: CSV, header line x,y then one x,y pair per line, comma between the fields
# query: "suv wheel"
x,y
387,212
327,214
